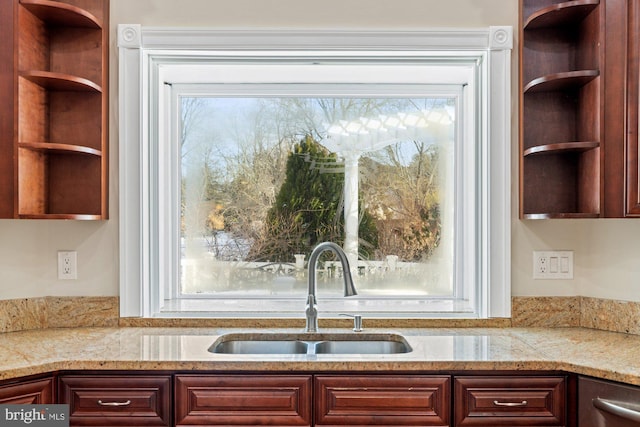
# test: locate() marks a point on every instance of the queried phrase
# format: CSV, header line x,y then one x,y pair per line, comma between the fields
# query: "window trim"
x,y
140,46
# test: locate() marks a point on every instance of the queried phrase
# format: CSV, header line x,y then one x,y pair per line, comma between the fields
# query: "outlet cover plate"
x,y
553,265
67,265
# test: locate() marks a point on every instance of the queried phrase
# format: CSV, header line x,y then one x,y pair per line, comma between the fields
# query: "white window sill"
x,y
295,308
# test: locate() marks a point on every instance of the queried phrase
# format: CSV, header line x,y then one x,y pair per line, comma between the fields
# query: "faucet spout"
x,y
349,288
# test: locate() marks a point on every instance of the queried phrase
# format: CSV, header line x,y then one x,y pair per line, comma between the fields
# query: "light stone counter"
x,y
601,354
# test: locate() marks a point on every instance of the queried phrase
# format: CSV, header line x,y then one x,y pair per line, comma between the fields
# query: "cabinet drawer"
x,y
129,400
382,400
512,401
283,400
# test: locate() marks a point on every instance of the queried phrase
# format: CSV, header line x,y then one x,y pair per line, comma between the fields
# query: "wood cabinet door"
x,y
243,400
35,392
509,401
412,400
117,400
633,110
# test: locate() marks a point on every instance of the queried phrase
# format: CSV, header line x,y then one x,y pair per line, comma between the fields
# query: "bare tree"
x,y
404,197
192,110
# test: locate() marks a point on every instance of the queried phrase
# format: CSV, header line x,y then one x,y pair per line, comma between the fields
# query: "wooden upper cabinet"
x,y
53,130
579,97
561,133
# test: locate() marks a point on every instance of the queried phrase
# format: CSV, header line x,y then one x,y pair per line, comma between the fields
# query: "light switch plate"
x,y
553,264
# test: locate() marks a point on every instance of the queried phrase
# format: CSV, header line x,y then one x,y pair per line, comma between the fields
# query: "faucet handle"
x,y
357,321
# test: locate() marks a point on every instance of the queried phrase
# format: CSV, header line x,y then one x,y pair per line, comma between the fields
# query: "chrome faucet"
x,y
349,289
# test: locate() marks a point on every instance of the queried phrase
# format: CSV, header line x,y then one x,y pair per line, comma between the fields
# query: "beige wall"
x,y
606,251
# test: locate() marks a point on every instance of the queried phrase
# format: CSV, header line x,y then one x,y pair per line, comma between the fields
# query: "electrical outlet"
x,y
542,265
67,265
553,264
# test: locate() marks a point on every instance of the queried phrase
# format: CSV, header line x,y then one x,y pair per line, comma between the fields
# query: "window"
x,y
404,137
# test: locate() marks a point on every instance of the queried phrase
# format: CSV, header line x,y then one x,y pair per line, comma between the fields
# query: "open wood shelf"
x,y
83,217
60,148
561,14
576,146
55,12
561,81
560,215
61,81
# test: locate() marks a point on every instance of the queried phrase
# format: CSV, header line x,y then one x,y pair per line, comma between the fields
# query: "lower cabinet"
x,y
140,399
243,400
290,400
378,400
116,400
509,401
370,400
35,392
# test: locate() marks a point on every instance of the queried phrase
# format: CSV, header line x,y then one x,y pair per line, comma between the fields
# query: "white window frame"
x,y
143,51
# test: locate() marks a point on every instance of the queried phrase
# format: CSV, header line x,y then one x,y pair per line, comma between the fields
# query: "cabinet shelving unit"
x,y
59,108
561,112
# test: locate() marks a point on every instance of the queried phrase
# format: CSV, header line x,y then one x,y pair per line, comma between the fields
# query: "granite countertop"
x,y
608,355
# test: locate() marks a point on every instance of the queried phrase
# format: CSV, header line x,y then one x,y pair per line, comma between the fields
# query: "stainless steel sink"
x,y
260,347
362,347
310,343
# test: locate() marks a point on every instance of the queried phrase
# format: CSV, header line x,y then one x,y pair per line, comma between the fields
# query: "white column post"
x,y
351,207
299,261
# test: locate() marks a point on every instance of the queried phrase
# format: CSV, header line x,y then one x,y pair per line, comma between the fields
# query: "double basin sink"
x,y
310,343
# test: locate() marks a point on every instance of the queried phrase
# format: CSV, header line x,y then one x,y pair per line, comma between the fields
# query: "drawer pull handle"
x,y
510,404
125,403
615,408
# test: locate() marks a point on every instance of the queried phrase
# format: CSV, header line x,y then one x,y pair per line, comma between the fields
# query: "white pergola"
x,y
350,139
